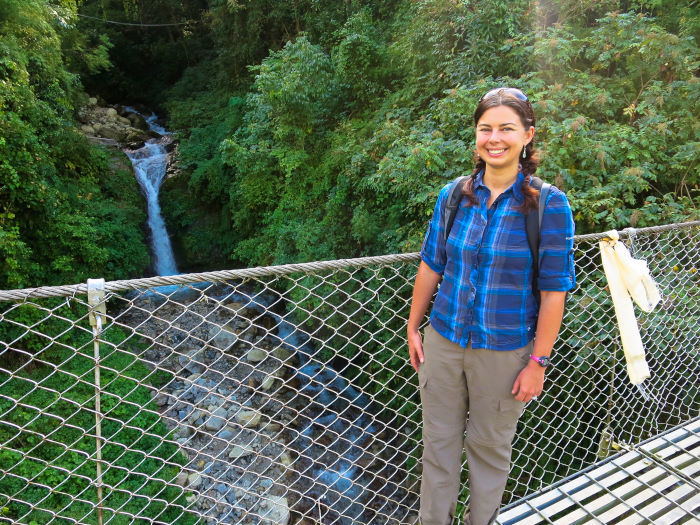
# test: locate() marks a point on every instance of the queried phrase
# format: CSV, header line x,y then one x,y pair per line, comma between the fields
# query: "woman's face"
x,y
500,138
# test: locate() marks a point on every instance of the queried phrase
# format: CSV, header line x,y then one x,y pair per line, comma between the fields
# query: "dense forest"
x,y
321,129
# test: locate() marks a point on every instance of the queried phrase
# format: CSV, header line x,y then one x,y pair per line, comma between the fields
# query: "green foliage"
x,y
443,43
274,153
341,147
63,216
48,426
145,60
360,61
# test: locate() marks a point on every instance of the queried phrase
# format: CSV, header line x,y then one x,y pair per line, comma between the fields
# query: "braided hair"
x,y
528,165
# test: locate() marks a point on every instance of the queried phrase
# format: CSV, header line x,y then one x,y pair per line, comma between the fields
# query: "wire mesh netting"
x,y
284,394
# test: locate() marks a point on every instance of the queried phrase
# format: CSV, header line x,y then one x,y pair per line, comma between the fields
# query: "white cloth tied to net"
x,y
629,279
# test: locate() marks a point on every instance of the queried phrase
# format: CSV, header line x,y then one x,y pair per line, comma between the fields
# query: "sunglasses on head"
x,y
517,93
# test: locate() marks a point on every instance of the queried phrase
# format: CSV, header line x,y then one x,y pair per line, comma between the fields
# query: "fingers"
x,y
527,396
415,350
522,393
417,358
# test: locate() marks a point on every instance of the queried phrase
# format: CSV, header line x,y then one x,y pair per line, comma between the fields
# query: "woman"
x,y
488,342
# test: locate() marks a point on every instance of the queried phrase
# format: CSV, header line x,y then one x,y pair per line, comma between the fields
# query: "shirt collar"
x,y
515,189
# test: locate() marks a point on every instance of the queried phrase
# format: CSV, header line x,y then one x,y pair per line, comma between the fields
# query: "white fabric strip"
x,y
629,279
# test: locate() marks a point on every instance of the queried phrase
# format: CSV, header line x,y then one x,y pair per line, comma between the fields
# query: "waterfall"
x,y
150,163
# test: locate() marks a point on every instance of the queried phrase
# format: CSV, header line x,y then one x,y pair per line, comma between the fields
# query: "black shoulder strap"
x,y
533,224
452,205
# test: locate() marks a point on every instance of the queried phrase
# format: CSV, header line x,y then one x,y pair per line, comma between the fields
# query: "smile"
x,y
496,151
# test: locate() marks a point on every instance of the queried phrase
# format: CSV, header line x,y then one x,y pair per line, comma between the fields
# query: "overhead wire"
x,y
131,23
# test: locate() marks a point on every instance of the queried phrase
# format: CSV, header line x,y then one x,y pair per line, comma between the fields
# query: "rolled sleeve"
x,y
556,267
433,250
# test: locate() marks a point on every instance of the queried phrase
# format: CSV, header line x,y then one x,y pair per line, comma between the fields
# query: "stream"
x,y
319,435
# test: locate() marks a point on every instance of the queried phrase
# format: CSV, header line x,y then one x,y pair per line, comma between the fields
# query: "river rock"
x,y
286,459
137,121
281,353
222,337
106,123
108,132
239,451
248,418
192,361
268,382
194,416
194,480
225,434
161,399
217,420
276,511
255,355
185,431
181,479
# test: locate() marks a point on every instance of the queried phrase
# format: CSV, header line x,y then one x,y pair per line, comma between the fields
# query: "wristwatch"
x,y
543,361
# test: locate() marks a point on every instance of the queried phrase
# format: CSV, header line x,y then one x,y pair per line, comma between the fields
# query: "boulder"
x,y
137,121
248,418
276,512
217,420
239,451
108,132
255,355
194,480
222,337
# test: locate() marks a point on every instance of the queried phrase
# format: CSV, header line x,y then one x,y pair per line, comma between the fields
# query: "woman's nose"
x,y
494,136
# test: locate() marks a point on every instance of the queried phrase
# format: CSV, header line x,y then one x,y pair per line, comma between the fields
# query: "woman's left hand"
x,y
529,382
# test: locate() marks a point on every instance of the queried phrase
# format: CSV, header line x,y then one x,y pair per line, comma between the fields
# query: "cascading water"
x,y
150,163
336,406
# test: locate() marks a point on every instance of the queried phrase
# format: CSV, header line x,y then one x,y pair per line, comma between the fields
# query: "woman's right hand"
x,y
423,291
415,348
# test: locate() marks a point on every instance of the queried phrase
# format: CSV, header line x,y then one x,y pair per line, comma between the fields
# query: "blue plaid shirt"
x,y
485,296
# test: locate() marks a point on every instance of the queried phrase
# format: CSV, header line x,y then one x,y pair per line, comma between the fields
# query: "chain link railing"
x,y
284,394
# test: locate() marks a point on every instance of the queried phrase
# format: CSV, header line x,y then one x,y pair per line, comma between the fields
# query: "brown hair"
x,y
528,165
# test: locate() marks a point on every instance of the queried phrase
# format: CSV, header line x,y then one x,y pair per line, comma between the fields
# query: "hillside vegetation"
x,y
336,142
68,209
318,129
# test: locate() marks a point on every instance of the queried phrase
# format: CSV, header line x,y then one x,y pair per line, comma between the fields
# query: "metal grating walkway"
x,y
656,482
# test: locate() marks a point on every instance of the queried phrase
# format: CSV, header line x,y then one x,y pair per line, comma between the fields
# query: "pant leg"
x,y
443,392
493,417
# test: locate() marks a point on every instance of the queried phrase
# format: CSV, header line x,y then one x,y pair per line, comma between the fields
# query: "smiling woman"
x,y
489,339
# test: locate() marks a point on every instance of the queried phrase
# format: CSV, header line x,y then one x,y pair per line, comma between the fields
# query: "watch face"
x,y
544,361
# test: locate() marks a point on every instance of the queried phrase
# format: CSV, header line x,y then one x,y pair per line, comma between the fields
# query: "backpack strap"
x,y
454,197
533,225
